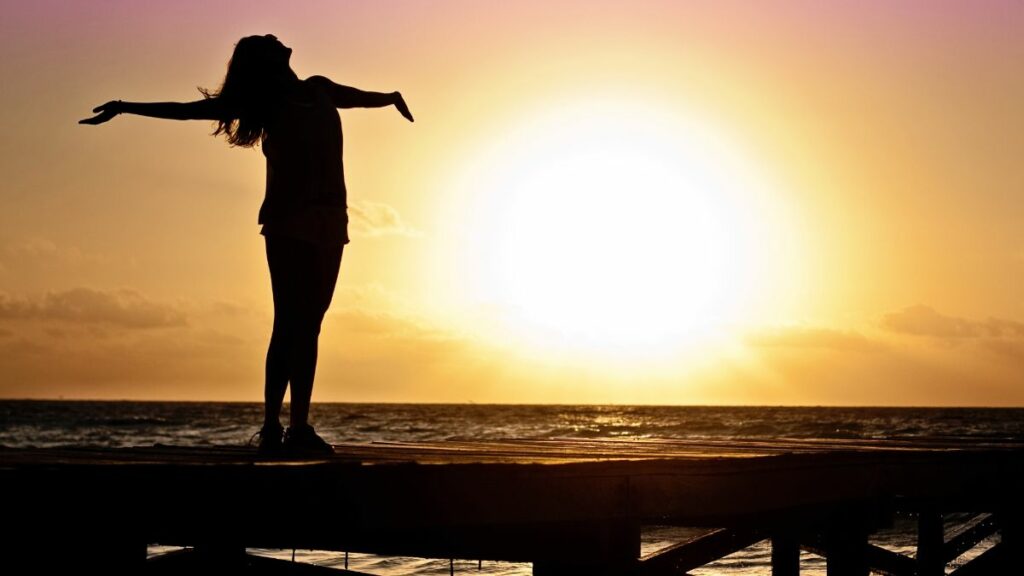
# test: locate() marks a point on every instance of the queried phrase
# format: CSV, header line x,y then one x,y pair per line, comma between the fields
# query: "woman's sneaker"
x,y
270,440
303,441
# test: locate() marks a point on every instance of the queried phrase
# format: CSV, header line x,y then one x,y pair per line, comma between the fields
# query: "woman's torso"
x,y
305,194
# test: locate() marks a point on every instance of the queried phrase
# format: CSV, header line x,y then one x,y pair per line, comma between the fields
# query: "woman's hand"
x,y
403,108
105,112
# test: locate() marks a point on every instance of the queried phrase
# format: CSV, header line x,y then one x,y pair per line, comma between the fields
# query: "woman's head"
x,y
257,77
257,56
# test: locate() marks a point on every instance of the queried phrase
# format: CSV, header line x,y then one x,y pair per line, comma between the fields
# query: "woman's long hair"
x,y
253,87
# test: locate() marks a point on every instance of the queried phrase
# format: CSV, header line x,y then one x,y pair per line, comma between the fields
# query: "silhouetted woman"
x,y
303,214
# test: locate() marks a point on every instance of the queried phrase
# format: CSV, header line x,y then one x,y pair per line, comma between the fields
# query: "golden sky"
x,y
600,202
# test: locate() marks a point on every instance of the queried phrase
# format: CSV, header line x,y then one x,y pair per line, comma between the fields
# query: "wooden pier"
x,y
570,507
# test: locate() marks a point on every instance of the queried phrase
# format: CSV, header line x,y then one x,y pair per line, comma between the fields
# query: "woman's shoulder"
x,y
322,82
321,86
307,93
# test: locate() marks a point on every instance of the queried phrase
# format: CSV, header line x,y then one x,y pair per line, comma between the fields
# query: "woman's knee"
x,y
297,326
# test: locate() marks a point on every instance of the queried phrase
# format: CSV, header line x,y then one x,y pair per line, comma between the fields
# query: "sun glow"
x,y
605,229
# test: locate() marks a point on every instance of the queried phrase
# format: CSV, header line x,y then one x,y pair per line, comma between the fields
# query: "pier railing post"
x,y
930,544
846,551
1011,537
785,554
615,553
220,555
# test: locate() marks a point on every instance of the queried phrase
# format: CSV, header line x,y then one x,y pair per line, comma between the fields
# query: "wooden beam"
x,y
991,561
889,563
189,561
284,567
879,560
694,553
970,535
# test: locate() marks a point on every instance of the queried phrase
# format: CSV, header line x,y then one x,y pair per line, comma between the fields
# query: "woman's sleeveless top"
x,y
305,195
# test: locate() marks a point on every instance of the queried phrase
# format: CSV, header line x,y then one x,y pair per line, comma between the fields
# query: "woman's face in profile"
x,y
278,51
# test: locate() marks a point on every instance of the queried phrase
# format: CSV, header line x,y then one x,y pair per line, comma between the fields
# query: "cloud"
x,y
30,248
1004,328
49,347
917,356
183,363
31,253
807,337
923,320
1010,349
1001,337
382,324
119,308
372,219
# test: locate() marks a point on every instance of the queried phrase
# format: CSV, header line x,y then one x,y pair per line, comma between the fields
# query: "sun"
x,y
607,229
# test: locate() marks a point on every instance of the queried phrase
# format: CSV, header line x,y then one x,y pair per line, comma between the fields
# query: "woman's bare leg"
x,y
303,362
306,341
303,276
276,380
283,282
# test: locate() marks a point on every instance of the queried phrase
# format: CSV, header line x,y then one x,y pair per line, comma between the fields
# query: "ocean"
x,y
25,423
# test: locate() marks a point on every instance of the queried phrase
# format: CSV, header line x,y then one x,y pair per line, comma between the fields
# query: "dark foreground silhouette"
x,y
305,224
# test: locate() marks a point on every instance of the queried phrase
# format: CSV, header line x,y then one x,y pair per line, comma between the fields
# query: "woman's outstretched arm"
x,y
205,109
349,97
